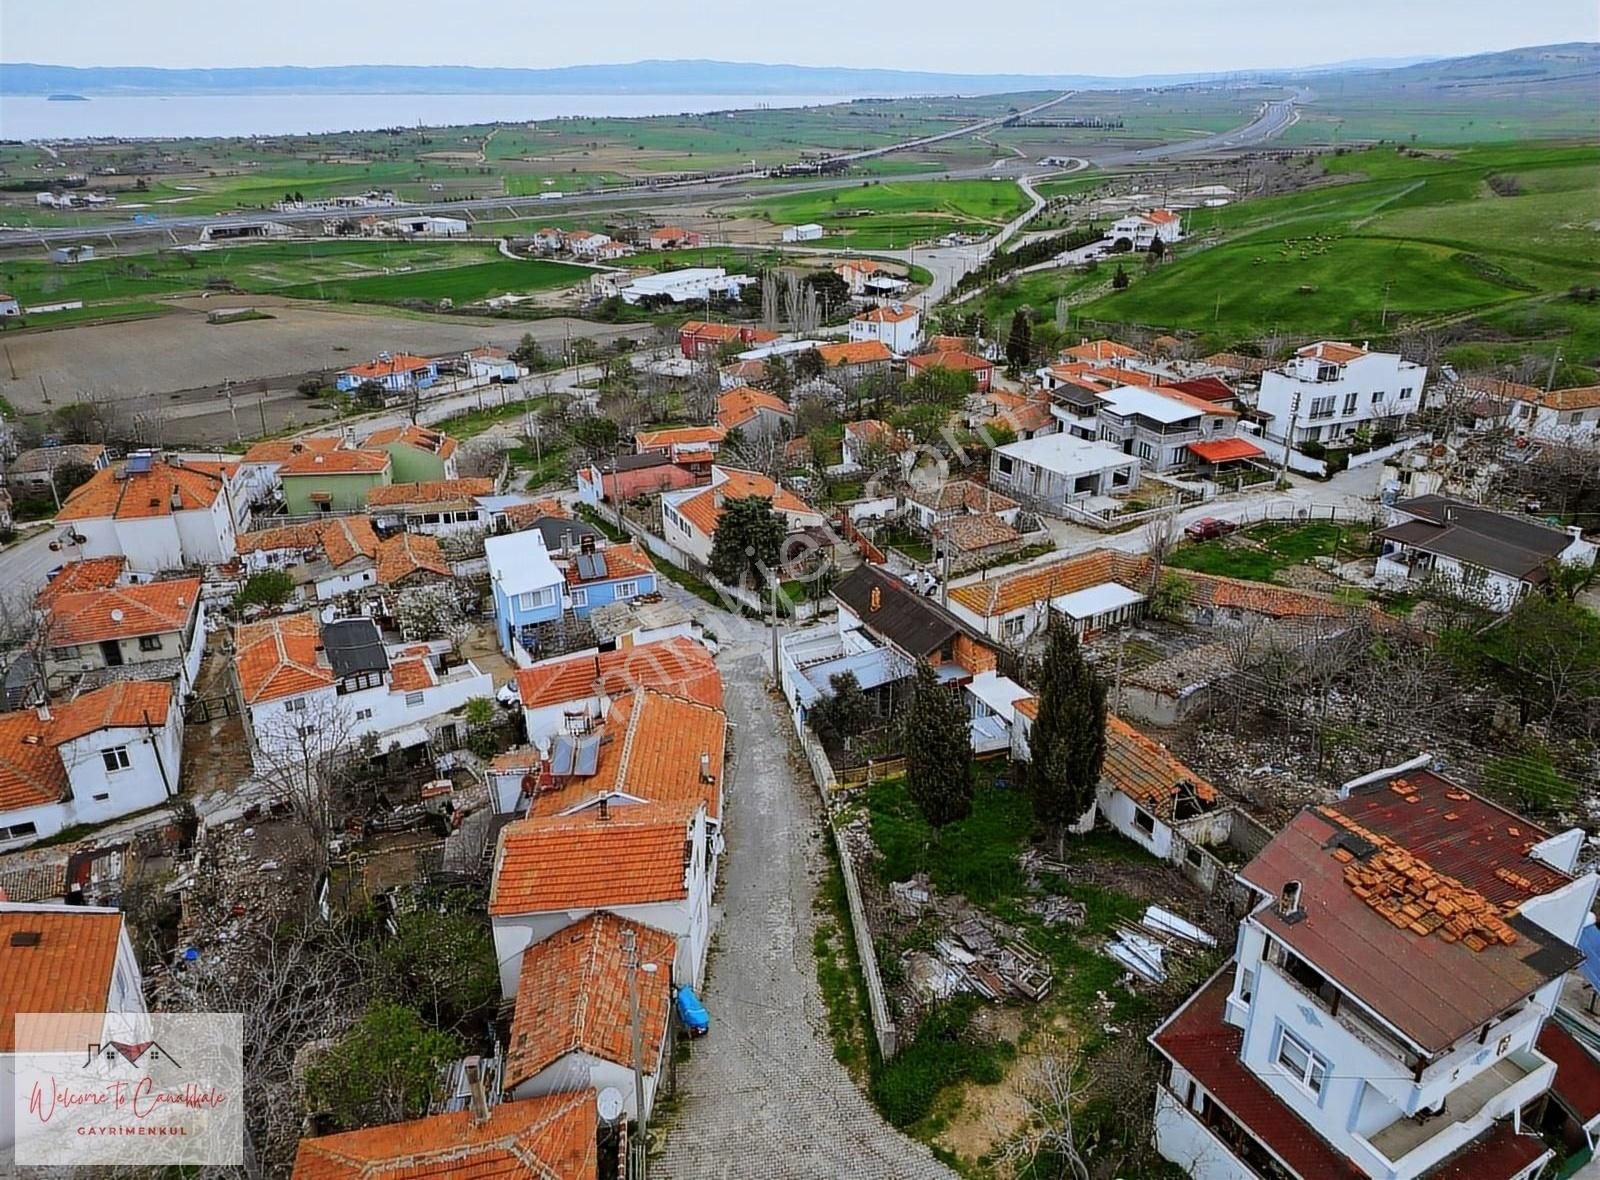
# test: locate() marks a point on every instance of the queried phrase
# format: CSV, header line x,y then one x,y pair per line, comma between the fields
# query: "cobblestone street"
x,y
762,1095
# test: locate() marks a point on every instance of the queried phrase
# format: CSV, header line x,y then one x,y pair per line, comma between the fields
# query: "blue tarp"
x,y
692,1013
1589,944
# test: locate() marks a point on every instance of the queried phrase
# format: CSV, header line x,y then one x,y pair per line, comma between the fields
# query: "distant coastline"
x,y
66,98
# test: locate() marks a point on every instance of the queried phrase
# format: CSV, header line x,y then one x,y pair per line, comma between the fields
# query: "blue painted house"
x,y
528,590
615,574
397,372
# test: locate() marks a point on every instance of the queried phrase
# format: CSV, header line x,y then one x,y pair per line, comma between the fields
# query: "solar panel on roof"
x,y
585,567
562,755
599,562
138,464
588,755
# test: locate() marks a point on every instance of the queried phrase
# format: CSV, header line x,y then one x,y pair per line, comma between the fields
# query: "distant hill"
x,y
748,78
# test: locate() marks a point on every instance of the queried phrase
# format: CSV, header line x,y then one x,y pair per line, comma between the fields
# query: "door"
x,y
111,652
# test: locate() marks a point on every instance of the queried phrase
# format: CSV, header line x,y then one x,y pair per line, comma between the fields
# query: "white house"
x,y
1015,607
573,1021
158,514
1058,470
1495,557
898,325
1382,1014
107,753
438,507
689,517
1560,415
326,558
304,686
493,364
9,305
692,284
99,633
810,232
1330,389
586,243
1141,229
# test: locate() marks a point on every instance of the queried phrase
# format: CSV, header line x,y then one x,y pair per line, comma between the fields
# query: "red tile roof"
x,y
371,462
1145,771
857,352
409,554
677,436
411,676
276,450
434,442
400,362
1096,351
579,862
277,658
433,491
341,539
162,490
886,314
1209,389
122,612
551,1137
1577,1085
622,561
705,509
678,665
67,970
1334,351
1000,596
31,770
1225,450
573,997
92,573
738,406
949,360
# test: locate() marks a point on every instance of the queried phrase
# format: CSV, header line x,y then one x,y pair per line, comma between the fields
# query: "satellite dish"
x,y
609,1104
116,615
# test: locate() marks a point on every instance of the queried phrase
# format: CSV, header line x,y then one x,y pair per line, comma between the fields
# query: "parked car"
x,y
692,1013
1208,528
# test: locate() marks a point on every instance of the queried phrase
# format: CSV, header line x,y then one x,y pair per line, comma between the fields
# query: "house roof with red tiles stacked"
x,y
391,366
122,612
968,361
434,442
279,450
573,997
340,462
679,436
856,352
32,773
160,490
551,1137
678,665
410,556
278,657
341,539
451,493
896,313
57,958
92,573
704,509
735,407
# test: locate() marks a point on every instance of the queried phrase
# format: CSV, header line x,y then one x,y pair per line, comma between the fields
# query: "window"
x,y
1377,397
627,590
413,699
580,597
363,714
1350,402
18,831
1012,628
1146,451
534,599
1003,464
1194,856
1322,407
1304,1067
69,652
115,758
149,643
1144,821
359,681
1405,393
295,705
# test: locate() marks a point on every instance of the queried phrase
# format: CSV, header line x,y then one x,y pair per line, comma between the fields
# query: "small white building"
x,y
809,232
106,754
586,243
1330,389
9,305
428,226
898,325
66,255
1058,470
692,284
1141,229
1493,557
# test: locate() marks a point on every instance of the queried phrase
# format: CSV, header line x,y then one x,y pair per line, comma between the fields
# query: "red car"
x,y
1208,528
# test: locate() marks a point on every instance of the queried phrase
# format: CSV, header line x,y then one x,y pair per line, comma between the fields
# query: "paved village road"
x,y
762,1096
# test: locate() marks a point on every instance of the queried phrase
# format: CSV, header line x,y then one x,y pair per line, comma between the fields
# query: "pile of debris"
x,y
1143,949
980,955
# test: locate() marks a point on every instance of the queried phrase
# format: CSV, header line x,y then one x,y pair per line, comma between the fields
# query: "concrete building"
x,y
1329,390
1057,470
419,455
159,514
332,481
810,232
1158,425
102,633
528,591
692,284
897,325
1141,229
1383,1014
436,507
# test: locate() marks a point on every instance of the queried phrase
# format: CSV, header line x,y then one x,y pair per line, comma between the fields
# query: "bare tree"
x,y
1160,536
1054,1093
483,457
300,758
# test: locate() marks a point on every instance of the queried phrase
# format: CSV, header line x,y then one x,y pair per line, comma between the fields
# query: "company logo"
x,y
144,1089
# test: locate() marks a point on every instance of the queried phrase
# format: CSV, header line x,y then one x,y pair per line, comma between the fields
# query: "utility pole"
x,y
1550,378
776,675
631,962
1294,415
261,408
233,412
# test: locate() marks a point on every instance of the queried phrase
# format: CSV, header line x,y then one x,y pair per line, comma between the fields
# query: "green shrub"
x,y
268,588
943,1054
1312,449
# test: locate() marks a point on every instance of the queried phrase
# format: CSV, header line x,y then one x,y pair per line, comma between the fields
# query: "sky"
x,y
955,36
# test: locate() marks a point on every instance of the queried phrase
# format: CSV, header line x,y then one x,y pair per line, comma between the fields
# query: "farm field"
x,y
897,214
1404,242
462,284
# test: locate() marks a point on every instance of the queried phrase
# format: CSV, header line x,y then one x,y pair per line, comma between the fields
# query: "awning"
x,y
405,738
1225,450
1096,600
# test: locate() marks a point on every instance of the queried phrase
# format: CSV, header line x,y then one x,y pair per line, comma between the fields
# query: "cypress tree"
x,y
1019,344
933,734
1068,741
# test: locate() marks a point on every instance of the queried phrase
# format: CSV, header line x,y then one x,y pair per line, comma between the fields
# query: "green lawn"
x,y
462,284
1276,547
898,214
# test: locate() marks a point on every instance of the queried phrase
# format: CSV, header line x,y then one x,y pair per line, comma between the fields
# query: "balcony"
x,y
1408,1145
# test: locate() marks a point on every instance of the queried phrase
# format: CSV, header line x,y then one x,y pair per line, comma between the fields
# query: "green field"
x,y
894,214
1403,243
355,271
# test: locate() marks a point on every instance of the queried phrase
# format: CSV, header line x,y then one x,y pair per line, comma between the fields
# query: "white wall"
x,y
100,794
1376,371
579,1070
1182,1138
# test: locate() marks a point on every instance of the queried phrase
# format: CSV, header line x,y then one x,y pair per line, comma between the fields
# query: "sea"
x,y
207,116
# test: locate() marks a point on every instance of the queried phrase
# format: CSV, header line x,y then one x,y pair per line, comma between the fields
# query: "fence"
x,y
876,770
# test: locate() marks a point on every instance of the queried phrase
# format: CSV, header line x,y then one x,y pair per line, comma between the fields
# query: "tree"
x,y
846,712
926,422
1019,343
933,735
777,376
597,436
832,292
808,364
530,354
371,394
1068,740
749,534
268,588
941,386
1119,281
385,1069
481,717
1158,249
1545,653
442,961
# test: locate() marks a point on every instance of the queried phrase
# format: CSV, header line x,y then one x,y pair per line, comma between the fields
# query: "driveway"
x,y
761,1096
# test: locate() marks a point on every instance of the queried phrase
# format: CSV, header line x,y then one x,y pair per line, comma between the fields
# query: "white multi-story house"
x,y
437,507
1493,557
898,325
586,243
1156,425
1389,987
308,686
1330,389
99,633
690,516
158,514
107,753
1143,228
